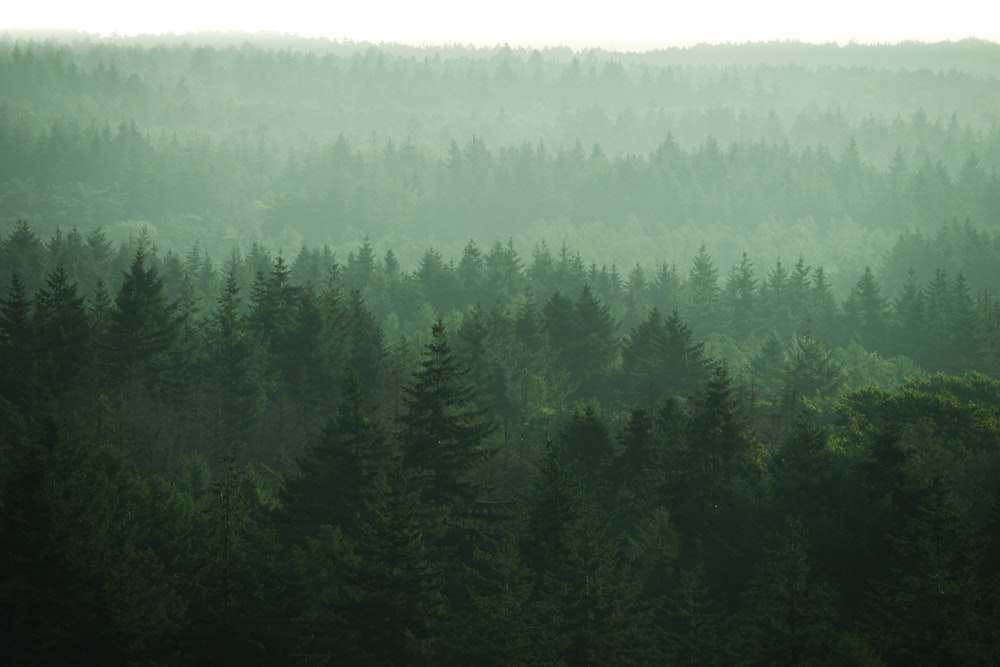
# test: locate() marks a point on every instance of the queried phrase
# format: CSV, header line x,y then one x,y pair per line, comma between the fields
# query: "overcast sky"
x,y
621,24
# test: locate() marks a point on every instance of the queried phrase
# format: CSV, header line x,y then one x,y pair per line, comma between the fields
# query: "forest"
x,y
331,353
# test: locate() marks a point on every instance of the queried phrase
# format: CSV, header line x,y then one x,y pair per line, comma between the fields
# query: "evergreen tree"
x,y
926,611
720,484
396,603
442,432
80,577
776,300
338,471
866,312
143,324
812,370
235,369
694,629
704,297
594,349
639,473
61,333
17,358
741,298
787,617
587,603
642,366
685,365
234,578
909,312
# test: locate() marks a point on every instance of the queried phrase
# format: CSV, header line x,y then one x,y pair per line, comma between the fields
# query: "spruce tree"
x,y
62,334
17,349
441,430
338,471
143,324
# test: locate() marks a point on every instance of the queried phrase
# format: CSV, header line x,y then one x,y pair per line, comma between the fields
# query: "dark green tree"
x,y
787,616
143,326
926,612
61,334
235,369
17,348
338,471
396,603
442,432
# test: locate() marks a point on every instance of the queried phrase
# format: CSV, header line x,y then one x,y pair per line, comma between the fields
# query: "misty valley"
x,y
334,353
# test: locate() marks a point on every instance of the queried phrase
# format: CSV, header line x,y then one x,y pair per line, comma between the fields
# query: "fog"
x,y
456,351
629,25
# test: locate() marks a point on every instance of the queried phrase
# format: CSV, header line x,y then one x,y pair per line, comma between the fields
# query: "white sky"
x,y
618,24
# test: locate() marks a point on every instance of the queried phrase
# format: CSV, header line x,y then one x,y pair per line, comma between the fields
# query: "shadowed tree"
x,y
143,325
62,334
17,364
442,431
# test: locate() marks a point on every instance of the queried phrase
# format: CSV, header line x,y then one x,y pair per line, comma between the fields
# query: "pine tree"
x,y
62,334
80,578
235,369
17,349
909,312
776,300
704,297
396,604
787,618
338,471
695,630
866,312
234,572
812,370
741,298
683,359
143,324
586,601
926,611
720,484
442,432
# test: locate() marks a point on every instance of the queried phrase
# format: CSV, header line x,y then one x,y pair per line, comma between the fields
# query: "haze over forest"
x,y
329,351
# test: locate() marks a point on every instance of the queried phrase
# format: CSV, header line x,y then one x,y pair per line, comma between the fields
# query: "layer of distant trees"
x,y
628,158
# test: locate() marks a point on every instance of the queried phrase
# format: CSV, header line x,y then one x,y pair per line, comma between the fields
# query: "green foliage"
x,y
265,461
81,576
442,432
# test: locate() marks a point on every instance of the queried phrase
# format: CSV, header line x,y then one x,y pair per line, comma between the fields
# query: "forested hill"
x,y
778,150
322,353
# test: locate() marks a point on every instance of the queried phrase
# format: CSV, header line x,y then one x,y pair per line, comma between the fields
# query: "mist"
x,y
391,339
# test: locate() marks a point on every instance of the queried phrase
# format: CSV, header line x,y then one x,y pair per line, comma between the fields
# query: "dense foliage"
x,y
197,471
747,413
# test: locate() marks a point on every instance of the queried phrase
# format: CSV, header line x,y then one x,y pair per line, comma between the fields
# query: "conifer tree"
x,y
787,617
235,369
741,298
695,629
143,324
338,471
866,312
396,603
17,365
926,610
704,297
586,601
442,432
62,333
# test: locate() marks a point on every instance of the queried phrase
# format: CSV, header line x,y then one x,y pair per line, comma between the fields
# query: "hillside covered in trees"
x,y
328,353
